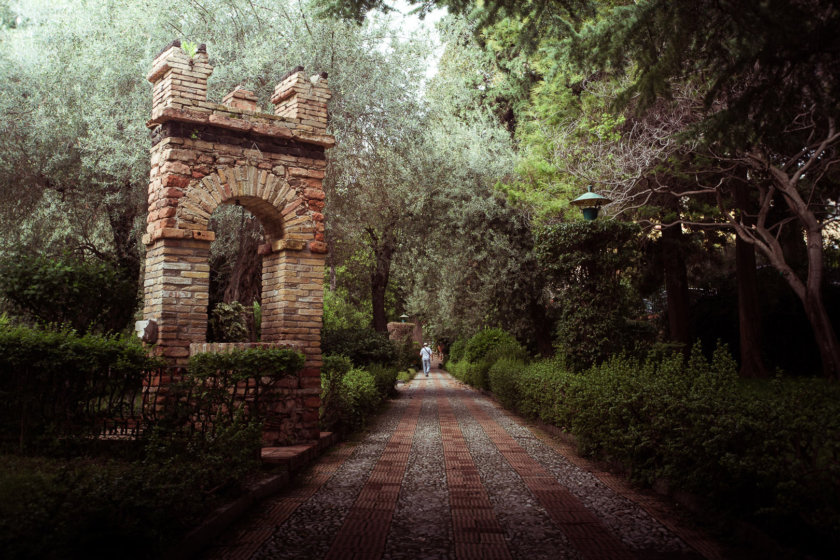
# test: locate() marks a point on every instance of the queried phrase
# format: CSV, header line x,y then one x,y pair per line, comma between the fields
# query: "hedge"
x,y
768,451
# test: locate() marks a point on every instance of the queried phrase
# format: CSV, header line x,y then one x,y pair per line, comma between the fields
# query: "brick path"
x,y
445,474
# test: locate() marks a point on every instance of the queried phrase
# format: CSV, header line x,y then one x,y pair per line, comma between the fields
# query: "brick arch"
x,y
266,195
206,154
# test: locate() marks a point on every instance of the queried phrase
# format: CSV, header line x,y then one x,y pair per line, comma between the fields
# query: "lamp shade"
x,y
590,199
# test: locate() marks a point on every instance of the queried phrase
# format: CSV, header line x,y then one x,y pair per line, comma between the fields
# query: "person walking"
x,y
426,356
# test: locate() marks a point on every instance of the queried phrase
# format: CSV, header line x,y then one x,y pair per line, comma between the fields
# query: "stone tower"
x,y
205,154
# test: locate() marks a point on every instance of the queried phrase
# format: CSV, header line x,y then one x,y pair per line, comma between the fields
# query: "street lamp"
x,y
403,317
590,202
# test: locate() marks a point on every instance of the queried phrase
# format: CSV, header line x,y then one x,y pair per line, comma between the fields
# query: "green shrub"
x,y
766,450
227,323
341,314
385,377
360,395
591,268
96,509
408,352
350,395
65,290
332,406
52,380
362,346
487,341
504,376
456,351
243,364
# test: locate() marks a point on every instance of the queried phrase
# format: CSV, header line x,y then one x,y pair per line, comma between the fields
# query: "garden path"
x,y
445,473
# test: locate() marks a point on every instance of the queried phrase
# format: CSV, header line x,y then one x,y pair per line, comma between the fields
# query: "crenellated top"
x,y
180,94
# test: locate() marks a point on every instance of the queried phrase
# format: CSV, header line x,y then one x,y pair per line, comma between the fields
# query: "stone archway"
x,y
207,154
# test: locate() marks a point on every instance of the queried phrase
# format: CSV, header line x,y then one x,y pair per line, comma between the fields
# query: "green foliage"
x,y
503,378
591,267
408,352
84,294
340,314
363,346
51,379
227,323
256,309
754,449
190,48
385,378
94,508
350,395
486,341
456,351
360,394
243,364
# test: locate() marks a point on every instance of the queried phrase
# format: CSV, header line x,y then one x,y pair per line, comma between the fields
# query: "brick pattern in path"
x,y
477,533
249,536
583,529
443,474
366,526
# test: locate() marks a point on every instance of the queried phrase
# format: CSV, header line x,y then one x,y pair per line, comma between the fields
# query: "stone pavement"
x,y
444,473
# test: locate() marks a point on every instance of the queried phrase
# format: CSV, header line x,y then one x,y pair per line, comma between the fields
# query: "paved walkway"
x,y
446,474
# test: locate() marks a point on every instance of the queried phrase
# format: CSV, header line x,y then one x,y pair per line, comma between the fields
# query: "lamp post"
x,y
403,317
590,202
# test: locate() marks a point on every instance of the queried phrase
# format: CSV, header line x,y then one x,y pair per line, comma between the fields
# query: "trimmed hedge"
x,y
252,362
54,379
769,451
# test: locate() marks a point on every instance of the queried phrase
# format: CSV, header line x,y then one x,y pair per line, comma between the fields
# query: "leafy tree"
x,y
87,295
591,266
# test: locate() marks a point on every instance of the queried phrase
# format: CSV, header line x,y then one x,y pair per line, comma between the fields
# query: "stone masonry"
x,y
205,154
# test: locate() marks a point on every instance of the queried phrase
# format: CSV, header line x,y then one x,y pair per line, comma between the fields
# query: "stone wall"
x,y
206,154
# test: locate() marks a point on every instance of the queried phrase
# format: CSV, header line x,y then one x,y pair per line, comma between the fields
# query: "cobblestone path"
x,y
446,474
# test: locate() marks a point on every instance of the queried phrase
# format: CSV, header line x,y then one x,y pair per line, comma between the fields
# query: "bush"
x,y
332,406
360,395
487,341
228,323
504,377
96,509
385,378
52,380
766,450
362,346
243,364
86,295
480,353
456,351
591,268
408,353
350,395
340,314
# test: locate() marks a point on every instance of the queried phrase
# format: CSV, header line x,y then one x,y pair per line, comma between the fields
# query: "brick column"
x,y
176,288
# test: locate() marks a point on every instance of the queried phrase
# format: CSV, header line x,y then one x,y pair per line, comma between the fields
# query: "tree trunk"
x,y
245,284
785,179
749,315
383,251
824,334
121,219
676,284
